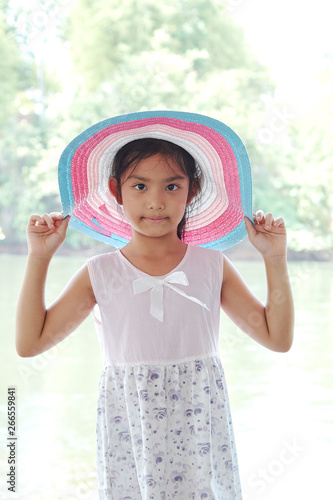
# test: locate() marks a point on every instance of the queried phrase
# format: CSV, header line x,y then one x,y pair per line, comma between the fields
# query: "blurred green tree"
x,y
179,55
139,55
12,69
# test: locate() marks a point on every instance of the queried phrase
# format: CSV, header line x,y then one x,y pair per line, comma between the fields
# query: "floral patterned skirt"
x,y
165,431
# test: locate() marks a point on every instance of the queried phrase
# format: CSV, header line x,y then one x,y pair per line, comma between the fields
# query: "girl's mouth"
x,y
155,220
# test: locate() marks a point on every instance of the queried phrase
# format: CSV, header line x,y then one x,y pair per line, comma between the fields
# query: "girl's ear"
x,y
193,191
113,187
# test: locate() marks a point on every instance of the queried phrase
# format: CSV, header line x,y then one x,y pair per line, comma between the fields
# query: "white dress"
x,y
164,427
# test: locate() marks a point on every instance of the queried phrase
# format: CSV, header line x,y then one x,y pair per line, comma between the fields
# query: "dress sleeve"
x,y
221,262
91,264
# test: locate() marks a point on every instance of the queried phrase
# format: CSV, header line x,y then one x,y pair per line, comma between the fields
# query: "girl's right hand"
x,y
46,233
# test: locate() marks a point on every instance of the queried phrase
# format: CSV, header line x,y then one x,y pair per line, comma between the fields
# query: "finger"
x,y
35,218
48,220
279,222
56,215
39,220
57,218
62,224
268,220
258,216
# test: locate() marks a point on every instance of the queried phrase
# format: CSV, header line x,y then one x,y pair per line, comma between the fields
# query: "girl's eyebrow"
x,y
169,179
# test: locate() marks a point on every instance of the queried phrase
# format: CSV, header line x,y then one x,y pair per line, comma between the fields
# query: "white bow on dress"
x,y
156,285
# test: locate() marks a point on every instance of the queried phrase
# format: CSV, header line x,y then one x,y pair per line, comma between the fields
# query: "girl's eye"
x,y
172,187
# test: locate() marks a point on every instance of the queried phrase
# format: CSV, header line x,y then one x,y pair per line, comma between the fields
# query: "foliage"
x,y
174,55
195,29
12,67
138,55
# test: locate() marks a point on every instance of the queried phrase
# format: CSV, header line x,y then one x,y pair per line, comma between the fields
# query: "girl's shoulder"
x,y
204,263
102,261
202,253
104,257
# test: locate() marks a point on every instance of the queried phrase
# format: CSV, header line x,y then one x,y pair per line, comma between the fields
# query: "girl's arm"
x,y
271,324
39,328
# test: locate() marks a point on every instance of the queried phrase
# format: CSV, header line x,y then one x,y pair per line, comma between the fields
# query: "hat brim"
x,y
215,218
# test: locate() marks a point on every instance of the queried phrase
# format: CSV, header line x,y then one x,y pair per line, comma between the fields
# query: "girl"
x,y
158,184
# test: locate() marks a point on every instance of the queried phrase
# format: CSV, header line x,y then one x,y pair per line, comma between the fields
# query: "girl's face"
x,y
154,196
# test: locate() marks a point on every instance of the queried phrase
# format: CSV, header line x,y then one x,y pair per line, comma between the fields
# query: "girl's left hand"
x,y
267,235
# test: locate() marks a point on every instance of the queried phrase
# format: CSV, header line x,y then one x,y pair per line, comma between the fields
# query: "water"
x,y
282,403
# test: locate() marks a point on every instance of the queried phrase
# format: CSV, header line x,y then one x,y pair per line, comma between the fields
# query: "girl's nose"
x,y
156,201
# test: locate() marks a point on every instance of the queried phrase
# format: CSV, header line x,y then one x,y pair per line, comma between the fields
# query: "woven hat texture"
x,y
215,216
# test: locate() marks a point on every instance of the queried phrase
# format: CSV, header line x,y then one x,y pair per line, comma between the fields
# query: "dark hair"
x,y
135,151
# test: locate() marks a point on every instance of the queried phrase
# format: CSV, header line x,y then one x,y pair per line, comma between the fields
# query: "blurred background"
x,y
266,70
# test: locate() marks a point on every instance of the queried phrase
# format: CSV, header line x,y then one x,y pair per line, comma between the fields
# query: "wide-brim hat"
x,y
215,217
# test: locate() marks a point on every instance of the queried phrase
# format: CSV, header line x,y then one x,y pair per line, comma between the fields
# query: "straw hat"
x,y
216,215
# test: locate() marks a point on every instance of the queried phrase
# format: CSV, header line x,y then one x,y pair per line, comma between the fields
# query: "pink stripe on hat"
x,y
104,140
216,215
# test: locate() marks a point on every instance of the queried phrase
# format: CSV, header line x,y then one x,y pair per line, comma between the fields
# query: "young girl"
x,y
158,185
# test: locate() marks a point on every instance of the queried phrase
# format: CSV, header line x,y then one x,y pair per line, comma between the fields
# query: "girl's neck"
x,y
156,257
154,248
